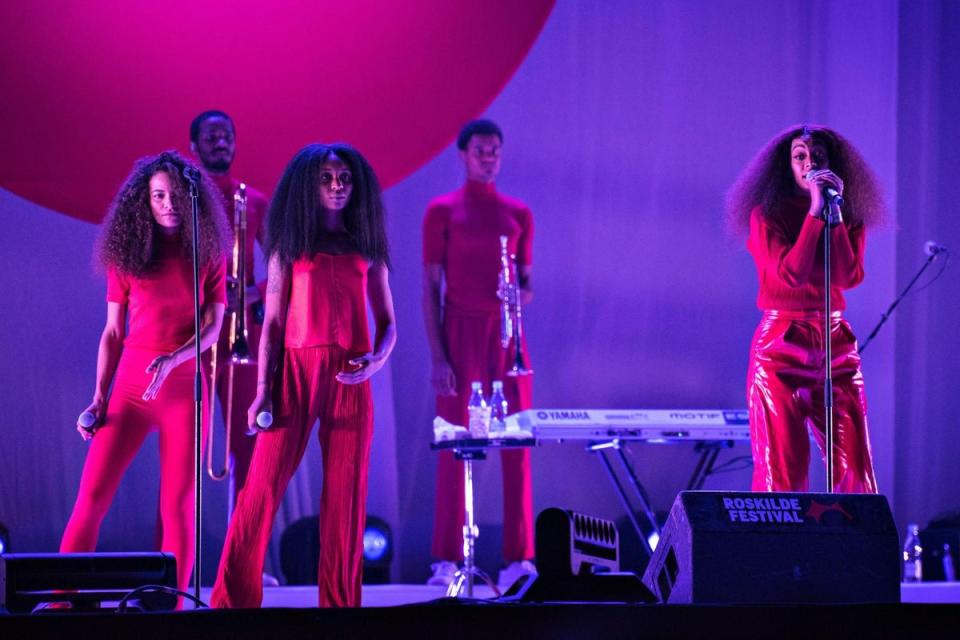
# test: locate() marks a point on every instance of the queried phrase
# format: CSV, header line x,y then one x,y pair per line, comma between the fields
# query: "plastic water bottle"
x,y
498,409
912,555
479,411
949,573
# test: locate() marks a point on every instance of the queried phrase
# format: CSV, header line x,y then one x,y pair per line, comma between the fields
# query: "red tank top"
x,y
328,304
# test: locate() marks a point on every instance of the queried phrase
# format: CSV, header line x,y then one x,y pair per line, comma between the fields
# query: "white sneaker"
x,y
442,573
514,571
269,580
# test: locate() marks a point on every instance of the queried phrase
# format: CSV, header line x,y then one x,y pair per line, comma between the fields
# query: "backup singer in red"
x,y
779,197
328,255
461,252
146,251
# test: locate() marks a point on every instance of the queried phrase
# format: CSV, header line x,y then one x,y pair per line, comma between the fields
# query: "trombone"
x,y
511,313
237,343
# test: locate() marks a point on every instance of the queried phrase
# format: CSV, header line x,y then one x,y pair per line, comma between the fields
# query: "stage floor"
x,y
928,611
391,595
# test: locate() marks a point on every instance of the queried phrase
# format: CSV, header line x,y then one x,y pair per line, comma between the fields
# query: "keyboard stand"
x,y
708,450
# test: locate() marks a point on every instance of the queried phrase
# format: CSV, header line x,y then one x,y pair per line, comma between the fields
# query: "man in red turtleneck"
x,y
213,141
461,256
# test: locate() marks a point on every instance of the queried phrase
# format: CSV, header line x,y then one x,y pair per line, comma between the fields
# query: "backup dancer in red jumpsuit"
x,y
147,253
779,197
213,140
328,256
461,251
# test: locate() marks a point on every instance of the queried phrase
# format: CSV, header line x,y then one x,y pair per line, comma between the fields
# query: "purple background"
x,y
624,127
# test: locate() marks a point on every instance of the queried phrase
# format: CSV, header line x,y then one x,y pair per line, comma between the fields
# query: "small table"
x,y
468,450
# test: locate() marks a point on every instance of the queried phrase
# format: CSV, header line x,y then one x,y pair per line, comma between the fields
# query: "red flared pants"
x,y
473,345
305,392
785,399
128,420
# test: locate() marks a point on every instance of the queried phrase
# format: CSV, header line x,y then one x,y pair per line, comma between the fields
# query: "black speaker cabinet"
x,y
86,579
739,547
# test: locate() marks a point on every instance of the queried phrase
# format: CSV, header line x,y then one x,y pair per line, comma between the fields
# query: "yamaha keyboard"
x,y
649,425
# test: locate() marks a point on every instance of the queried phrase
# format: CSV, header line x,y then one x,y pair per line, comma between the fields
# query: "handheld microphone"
x,y
192,174
264,420
831,195
931,248
86,420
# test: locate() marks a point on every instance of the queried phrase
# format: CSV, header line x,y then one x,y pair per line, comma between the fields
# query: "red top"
x,y
328,303
791,274
257,205
461,232
160,303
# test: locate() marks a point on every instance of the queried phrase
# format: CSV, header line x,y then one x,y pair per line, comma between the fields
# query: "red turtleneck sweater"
x,y
461,232
791,272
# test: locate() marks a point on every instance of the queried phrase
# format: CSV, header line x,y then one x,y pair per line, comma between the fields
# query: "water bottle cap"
x,y
476,386
498,384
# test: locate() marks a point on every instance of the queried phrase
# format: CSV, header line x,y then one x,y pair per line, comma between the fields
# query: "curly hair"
x,y
768,180
129,235
293,228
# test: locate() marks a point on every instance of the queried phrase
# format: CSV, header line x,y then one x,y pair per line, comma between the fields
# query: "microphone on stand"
x,y
931,248
192,174
831,195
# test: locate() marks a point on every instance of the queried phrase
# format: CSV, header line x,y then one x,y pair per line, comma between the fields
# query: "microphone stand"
x,y
193,179
827,349
903,294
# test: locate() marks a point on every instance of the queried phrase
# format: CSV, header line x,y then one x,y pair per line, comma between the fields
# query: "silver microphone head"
x,y
931,248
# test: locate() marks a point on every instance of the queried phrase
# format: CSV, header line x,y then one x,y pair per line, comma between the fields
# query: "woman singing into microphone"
x,y
144,377
780,198
327,256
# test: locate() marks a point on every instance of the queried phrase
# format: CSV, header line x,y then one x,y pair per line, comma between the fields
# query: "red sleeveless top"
x,y
328,303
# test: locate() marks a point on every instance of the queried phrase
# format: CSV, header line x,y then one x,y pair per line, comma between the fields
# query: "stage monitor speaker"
x,y
752,548
578,558
84,579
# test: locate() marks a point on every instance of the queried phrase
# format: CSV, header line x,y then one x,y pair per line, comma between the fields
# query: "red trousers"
x,y
785,398
305,391
473,345
128,420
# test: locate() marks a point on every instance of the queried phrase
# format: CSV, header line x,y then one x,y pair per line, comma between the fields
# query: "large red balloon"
x,y
90,86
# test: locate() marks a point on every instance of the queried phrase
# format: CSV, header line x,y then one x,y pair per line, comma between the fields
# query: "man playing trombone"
x,y
213,142
472,330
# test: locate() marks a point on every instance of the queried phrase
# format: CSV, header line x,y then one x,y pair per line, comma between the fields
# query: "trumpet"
x,y
237,334
511,312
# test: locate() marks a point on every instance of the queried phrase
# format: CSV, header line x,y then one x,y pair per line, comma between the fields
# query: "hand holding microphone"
x,y
259,416
88,419
828,187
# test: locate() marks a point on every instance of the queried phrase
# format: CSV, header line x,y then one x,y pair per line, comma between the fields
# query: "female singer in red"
x,y
780,198
327,256
144,377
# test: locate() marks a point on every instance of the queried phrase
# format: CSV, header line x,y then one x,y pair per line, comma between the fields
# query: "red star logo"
x,y
817,510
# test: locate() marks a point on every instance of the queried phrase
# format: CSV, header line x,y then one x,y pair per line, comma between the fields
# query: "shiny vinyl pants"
x,y
785,398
